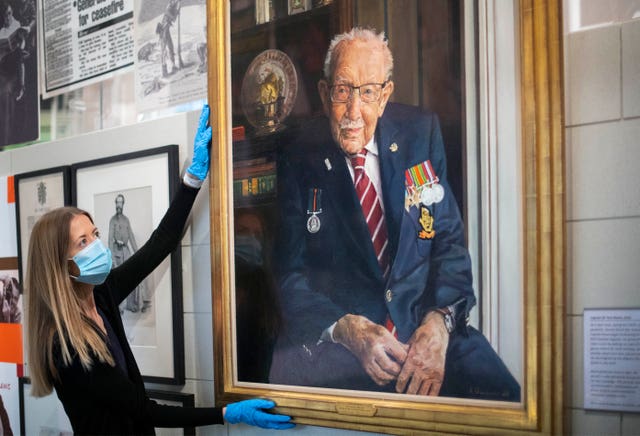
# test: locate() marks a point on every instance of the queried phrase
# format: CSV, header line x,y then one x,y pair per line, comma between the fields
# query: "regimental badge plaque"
x,y
269,90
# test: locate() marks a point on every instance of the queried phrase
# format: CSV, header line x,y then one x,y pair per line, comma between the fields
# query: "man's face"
x,y
119,204
353,123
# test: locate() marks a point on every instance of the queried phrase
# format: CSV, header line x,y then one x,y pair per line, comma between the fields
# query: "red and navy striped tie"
x,y
374,216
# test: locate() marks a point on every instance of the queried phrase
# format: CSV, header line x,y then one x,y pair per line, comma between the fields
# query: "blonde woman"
x,y
76,340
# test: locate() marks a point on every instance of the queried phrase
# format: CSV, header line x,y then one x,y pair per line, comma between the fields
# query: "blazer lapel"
x,y
343,199
392,167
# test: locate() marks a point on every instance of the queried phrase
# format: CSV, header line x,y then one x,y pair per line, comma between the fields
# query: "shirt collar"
x,y
372,146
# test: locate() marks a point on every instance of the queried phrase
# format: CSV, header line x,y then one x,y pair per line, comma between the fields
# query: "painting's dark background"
x,y
426,40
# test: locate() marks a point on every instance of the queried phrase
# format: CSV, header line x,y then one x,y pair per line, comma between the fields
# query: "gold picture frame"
x,y
542,239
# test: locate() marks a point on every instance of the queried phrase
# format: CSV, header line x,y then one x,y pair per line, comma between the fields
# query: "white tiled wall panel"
x,y
603,176
593,75
630,424
631,68
196,276
575,362
198,346
603,264
588,423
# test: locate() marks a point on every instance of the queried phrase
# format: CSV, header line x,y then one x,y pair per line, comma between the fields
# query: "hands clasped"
x,y
418,365
251,412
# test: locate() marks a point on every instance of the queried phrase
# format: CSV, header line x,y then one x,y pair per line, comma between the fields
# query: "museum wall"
x,y
602,117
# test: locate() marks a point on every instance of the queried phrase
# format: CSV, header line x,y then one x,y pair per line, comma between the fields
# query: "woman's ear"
x,y
72,268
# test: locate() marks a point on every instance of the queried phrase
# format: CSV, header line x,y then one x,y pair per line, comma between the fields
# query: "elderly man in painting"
x,y
374,275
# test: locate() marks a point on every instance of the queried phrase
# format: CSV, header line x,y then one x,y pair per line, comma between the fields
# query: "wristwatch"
x,y
448,314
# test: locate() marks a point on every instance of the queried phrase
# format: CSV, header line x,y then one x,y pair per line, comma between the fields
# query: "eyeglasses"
x,y
369,92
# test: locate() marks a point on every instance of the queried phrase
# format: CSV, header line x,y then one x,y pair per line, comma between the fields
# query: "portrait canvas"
x,y
455,167
127,195
298,248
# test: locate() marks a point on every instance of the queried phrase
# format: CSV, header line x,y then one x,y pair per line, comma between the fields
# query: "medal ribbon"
x,y
421,174
315,201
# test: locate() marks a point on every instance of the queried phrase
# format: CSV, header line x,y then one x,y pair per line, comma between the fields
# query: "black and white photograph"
x,y
37,193
171,52
126,222
11,301
127,196
19,102
46,414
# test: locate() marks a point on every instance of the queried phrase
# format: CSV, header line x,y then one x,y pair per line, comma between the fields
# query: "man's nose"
x,y
353,105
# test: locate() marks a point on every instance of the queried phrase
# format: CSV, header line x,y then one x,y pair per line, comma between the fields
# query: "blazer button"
x,y
388,295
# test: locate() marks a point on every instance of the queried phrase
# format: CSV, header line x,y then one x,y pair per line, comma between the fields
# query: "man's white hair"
x,y
358,34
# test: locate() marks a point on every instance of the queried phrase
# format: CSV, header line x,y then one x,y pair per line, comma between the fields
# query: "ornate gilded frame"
x,y
543,241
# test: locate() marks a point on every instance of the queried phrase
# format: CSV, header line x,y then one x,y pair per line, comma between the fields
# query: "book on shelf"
x,y
254,186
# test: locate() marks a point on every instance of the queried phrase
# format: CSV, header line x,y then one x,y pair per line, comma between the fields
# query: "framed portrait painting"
x,y
37,193
387,204
127,196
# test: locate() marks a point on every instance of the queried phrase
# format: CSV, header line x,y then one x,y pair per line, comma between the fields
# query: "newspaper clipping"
x,y
171,50
84,40
19,101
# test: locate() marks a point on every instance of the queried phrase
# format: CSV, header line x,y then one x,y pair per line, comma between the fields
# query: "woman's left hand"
x,y
201,147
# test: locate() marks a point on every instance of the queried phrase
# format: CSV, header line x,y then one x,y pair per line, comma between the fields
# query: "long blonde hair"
x,y
54,311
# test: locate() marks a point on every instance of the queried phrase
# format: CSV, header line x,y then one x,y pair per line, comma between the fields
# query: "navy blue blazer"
x,y
324,275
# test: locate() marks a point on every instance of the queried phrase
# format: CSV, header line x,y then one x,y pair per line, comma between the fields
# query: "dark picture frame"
x,y
540,233
38,192
174,399
152,314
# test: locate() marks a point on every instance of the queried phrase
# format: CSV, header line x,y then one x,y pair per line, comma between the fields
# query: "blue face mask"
x,y
249,249
94,263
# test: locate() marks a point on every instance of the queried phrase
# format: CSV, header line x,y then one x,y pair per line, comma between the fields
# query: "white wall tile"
x,y
111,142
196,272
200,217
5,163
630,424
587,423
198,346
603,264
602,170
575,362
631,68
593,75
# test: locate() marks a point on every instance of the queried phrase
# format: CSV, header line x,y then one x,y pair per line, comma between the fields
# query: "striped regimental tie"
x,y
373,214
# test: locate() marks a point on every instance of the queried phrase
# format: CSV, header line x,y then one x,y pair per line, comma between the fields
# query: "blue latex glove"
x,y
201,147
250,412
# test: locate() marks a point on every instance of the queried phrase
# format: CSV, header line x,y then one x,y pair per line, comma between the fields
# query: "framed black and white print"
x,y
173,399
46,414
127,196
37,192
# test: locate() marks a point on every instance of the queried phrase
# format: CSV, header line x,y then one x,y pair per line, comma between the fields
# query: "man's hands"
x,y
423,370
380,354
418,365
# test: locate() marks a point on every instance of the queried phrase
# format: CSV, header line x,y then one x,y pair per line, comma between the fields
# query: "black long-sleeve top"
x,y
103,400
